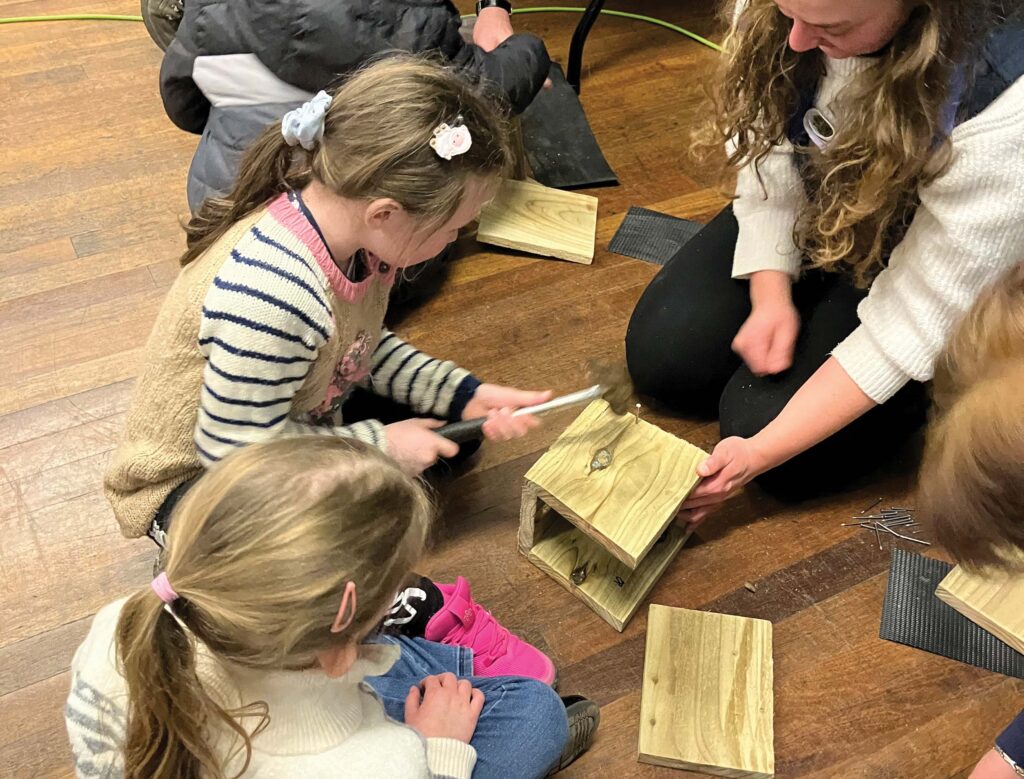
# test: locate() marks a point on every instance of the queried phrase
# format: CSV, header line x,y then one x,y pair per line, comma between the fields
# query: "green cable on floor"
x,y
540,10
71,18
624,15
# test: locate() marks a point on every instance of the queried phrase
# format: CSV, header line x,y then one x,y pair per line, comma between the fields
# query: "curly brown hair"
x,y
893,142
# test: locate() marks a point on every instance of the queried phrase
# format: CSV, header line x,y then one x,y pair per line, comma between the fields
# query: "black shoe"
x,y
584,716
162,18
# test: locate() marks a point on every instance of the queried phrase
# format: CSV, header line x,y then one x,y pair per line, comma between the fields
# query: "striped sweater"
x,y
264,336
318,726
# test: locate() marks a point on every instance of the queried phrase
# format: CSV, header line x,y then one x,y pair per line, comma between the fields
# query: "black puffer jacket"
x,y
236,66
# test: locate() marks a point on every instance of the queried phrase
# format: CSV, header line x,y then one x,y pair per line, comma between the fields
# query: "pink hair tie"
x,y
163,589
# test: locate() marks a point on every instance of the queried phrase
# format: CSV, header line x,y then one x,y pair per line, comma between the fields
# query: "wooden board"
x,y
995,602
530,217
707,701
627,505
563,549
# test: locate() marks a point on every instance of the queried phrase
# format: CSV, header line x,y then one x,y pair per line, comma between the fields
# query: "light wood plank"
x,y
530,217
707,700
626,505
994,601
611,588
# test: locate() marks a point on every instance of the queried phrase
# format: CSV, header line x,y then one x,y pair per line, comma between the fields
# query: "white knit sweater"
x,y
967,231
319,727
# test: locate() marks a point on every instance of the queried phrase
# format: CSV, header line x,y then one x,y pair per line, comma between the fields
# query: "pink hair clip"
x,y
450,142
340,621
163,589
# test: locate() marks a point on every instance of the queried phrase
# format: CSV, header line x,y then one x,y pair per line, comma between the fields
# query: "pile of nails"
x,y
885,521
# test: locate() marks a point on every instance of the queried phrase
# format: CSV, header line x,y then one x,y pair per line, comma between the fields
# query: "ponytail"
x,y
169,712
375,143
266,170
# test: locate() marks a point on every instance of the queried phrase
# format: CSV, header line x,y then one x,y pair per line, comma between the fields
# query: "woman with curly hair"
x,y
879,188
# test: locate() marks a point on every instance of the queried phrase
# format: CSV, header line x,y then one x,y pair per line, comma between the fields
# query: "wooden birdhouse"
x,y
598,509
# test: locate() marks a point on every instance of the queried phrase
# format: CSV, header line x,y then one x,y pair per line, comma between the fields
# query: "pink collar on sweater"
x,y
350,291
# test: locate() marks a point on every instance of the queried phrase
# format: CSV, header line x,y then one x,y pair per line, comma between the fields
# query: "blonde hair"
x,y
893,142
376,144
971,487
259,553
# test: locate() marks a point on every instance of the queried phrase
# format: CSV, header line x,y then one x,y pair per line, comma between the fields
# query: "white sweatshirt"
x,y
968,230
319,727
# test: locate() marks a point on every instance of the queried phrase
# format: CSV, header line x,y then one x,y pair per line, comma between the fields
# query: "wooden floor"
x,y
92,182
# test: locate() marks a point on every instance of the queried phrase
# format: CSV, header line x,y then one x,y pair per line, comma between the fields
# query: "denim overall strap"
x,y
1000,65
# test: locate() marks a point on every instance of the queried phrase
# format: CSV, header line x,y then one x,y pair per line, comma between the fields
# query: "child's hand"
x,y
414,445
492,27
497,404
734,462
449,708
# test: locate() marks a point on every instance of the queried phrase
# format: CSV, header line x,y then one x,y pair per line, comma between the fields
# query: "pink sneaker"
x,y
496,652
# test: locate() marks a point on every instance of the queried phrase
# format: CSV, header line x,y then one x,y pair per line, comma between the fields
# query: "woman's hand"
x,y
767,339
414,445
733,463
492,27
448,708
497,404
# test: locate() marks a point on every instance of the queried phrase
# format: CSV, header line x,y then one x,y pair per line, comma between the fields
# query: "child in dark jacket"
x,y
235,67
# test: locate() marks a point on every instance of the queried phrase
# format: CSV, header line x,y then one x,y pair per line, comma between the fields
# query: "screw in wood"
x,y
579,574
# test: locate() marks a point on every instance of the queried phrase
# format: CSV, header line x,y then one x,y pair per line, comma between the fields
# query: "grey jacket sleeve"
x,y
516,69
311,43
184,102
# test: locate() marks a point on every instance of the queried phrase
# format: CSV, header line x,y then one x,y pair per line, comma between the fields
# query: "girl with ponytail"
x,y
275,324
250,651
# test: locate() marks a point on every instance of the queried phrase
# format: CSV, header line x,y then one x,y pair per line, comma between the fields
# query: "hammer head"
x,y
613,376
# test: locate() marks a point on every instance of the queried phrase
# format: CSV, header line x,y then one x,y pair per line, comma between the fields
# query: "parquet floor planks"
x,y
92,185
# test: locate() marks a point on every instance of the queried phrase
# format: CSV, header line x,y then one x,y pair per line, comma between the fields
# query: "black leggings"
x,y
679,351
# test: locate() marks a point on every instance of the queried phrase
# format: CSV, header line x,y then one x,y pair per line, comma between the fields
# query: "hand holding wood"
x,y
733,463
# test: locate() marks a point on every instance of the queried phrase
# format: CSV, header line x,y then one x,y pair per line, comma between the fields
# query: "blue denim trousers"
x,y
522,729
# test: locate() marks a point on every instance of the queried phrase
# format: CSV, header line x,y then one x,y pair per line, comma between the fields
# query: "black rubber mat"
x,y
652,236
912,615
560,146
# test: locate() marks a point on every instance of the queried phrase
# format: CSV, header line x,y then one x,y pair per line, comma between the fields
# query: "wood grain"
x,y
994,601
529,217
628,504
707,699
88,235
608,586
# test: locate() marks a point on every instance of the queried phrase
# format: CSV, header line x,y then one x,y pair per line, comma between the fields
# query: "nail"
x,y
865,511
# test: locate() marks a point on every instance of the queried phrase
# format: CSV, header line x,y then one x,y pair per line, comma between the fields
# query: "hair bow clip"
x,y
451,141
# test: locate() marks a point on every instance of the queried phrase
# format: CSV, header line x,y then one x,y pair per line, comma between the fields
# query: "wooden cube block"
x,y
530,217
707,703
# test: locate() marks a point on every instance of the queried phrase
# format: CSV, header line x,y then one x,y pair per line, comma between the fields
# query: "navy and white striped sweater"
x,y
264,336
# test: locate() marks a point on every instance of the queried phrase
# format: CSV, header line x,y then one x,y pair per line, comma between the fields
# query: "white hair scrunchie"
x,y
305,125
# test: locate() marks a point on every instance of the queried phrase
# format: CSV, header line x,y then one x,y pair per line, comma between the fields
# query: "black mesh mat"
x,y
912,615
648,235
562,151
